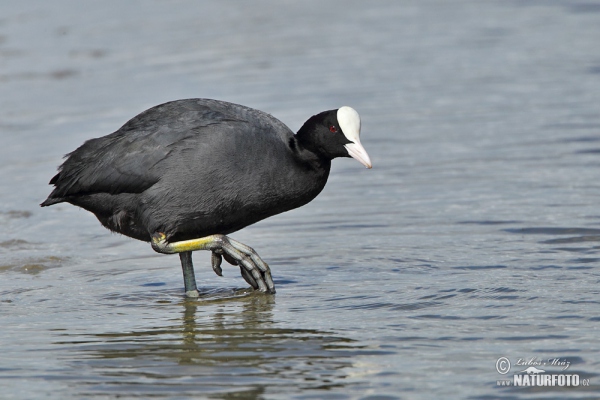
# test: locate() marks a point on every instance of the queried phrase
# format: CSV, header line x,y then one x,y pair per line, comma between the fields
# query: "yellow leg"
x,y
160,244
254,270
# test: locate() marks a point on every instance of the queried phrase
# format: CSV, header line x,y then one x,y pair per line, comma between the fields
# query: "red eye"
x,y
332,129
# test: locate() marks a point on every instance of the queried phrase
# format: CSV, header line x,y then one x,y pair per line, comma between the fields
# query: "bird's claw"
x,y
248,278
253,269
216,261
217,258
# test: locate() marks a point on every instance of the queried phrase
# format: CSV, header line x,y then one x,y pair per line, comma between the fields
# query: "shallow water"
x,y
475,236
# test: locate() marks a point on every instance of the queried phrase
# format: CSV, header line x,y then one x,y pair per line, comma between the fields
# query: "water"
x,y
475,236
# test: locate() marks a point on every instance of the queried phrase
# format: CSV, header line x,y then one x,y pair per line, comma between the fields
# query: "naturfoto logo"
x,y
534,375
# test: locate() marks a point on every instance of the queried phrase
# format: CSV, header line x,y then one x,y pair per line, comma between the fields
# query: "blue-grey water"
x,y
475,236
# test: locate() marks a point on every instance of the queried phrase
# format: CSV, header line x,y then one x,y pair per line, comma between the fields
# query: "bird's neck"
x,y
306,136
306,152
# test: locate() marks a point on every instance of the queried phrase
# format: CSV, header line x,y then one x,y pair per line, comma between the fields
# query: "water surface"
x,y
475,236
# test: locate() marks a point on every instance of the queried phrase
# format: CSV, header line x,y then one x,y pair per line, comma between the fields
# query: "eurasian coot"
x,y
184,174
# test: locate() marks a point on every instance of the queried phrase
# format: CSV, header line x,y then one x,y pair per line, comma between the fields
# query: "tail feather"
x,y
54,179
51,200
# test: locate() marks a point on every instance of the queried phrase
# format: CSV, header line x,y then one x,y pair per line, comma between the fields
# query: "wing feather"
x,y
131,159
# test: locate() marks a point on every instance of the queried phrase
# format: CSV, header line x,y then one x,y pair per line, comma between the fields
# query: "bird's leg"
x,y
254,270
189,279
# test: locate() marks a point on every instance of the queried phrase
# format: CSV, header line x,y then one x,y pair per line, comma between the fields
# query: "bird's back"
x,y
187,168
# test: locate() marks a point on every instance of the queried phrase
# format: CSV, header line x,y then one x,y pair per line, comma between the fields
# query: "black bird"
x,y
184,174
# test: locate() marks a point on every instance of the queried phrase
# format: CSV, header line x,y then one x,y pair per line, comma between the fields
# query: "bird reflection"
x,y
229,328
223,345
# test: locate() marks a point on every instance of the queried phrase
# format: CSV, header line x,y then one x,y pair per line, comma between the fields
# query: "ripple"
x,y
554,231
480,267
15,214
369,306
542,267
532,338
489,222
586,260
573,249
415,306
34,266
575,239
7,217
437,316
588,151
16,244
208,295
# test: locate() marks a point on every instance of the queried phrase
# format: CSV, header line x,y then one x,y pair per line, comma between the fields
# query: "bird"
x,y
185,174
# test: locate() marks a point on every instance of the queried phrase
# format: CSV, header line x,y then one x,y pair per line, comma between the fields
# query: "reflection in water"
x,y
222,348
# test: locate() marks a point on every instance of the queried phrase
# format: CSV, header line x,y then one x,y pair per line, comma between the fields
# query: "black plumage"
x,y
197,167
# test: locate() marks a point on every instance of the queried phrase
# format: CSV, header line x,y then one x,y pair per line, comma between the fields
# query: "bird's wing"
x,y
129,160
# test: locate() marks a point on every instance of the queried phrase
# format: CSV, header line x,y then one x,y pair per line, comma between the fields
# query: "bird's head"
x,y
335,133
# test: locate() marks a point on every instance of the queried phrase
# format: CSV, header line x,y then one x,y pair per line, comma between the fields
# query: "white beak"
x,y
350,123
358,152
